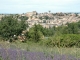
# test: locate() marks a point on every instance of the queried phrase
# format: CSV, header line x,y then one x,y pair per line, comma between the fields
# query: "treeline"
x,y
70,28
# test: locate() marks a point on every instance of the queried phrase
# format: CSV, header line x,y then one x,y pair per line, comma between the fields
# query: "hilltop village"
x,y
46,19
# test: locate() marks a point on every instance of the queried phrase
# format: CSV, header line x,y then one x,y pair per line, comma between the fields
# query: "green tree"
x,y
46,17
23,18
10,26
35,34
73,28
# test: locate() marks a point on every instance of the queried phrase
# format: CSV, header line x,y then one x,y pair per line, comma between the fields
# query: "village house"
x,y
52,19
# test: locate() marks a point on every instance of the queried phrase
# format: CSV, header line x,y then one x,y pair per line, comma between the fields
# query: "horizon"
x,y
40,12
23,6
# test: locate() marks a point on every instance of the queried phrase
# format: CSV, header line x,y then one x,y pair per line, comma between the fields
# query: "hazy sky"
x,y
23,6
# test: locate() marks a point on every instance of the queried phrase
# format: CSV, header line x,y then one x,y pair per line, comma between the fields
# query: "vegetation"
x,y
44,17
10,26
62,36
35,34
23,18
56,43
65,40
31,50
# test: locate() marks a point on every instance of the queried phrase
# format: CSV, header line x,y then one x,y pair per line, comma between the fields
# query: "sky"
x,y
23,6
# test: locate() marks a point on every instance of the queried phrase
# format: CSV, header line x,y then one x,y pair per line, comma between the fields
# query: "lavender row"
x,y
16,54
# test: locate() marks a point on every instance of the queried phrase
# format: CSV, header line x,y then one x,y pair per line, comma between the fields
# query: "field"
x,y
34,51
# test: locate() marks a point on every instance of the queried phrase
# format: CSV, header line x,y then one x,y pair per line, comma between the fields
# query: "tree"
x,y
49,11
24,18
40,18
9,26
73,28
46,17
35,34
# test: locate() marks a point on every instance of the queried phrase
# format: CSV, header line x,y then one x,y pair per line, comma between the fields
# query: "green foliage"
x,y
10,26
65,40
46,17
35,34
48,31
23,18
71,28
63,36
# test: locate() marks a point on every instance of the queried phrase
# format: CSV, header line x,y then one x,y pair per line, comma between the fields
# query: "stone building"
x,y
31,13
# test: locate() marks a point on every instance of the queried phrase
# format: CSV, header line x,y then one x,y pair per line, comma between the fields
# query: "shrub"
x,y
65,40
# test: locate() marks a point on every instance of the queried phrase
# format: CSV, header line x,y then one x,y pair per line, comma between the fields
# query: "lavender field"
x,y
23,51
